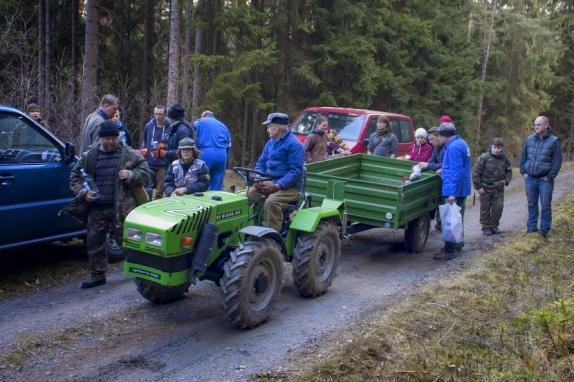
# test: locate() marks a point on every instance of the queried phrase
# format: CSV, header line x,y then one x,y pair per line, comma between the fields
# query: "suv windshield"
x,y
347,126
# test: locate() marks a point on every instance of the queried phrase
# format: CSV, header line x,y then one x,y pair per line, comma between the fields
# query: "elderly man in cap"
x,y
455,177
119,174
214,142
179,128
491,172
282,159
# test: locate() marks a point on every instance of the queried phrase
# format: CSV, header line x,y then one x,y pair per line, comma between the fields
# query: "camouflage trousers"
x,y
491,205
274,204
99,221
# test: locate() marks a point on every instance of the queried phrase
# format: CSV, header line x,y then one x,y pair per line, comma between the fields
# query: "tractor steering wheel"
x,y
250,175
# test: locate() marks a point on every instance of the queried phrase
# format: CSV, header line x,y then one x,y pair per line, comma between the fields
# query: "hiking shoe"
x,y
496,231
442,255
487,232
94,281
544,234
528,232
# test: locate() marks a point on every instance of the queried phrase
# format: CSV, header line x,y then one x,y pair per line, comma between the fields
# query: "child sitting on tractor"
x,y
188,174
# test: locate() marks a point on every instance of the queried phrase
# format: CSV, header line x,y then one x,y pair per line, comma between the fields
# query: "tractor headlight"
x,y
133,234
388,216
154,239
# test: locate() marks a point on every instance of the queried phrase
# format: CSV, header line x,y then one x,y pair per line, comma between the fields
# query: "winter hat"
x,y
278,118
446,129
31,107
108,129
445,118
175,112
420,132
433,130
186,143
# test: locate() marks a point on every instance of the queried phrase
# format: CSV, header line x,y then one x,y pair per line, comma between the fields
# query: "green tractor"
x,y
217,236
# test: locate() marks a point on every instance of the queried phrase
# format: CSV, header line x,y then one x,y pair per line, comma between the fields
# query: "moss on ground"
x,y
511,317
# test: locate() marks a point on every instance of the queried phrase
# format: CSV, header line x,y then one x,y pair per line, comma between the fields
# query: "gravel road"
x,y
112,333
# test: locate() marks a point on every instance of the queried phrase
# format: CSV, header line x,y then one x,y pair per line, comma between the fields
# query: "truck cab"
x,y
34,177
354,126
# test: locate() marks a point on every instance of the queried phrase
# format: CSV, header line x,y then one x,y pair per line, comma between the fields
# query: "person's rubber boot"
x,y
443,255
487,232
94,281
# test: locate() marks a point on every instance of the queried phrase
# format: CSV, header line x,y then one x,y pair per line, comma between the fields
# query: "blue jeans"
x,y
539,188
216,161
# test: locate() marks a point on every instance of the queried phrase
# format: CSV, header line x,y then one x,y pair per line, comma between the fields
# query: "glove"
x,y
270,189
143,152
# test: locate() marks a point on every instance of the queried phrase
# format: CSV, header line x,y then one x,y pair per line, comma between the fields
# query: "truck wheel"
x,y
416,234
114,252
251,281
160,294
315,260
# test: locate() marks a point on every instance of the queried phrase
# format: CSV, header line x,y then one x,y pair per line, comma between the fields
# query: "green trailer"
x,y
376,193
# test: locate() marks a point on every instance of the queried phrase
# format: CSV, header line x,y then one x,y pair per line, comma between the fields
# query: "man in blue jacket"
x,y
455,175
540,163
155,136
214,142
282,159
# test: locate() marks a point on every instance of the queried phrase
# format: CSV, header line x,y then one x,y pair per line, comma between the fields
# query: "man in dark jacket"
x,y
490,174
155,138
540,163
179,128
316,143
282,159
455,177
89,132
119,174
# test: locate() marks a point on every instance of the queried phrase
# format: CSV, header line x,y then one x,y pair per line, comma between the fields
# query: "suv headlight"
x,y
133,234
154,239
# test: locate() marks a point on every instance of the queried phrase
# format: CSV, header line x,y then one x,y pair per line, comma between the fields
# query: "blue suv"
x,y
34,177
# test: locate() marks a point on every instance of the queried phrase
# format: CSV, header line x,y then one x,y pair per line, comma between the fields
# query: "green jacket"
x,y
128,193
491,172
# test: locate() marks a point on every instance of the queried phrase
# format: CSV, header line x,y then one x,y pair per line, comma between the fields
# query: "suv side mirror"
x,y
69,152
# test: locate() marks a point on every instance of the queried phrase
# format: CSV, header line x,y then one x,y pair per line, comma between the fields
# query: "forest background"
x,y
493,65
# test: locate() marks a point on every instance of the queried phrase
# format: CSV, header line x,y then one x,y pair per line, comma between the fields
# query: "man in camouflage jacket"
x,y
491,173
109,178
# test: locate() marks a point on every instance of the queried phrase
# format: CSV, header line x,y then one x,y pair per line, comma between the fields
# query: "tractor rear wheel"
x,y
252,279
417,233
315,260
160,294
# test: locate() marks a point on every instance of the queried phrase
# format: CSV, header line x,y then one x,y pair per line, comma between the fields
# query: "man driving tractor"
x,y
282,160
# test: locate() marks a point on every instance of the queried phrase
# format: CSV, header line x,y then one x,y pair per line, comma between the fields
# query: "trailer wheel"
x,y
416,234
252,279
160,294
315,260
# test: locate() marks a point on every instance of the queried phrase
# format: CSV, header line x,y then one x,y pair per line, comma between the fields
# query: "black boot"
x,y
94,281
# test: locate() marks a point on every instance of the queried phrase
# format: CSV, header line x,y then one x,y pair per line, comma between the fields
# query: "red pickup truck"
x,y
354,126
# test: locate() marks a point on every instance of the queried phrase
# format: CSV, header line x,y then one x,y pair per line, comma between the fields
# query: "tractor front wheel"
x,y
160,294
251,281
315,260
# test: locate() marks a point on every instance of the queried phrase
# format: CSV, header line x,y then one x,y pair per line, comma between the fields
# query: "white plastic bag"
x,y
451,223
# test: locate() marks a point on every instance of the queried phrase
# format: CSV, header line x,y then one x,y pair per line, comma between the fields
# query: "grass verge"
x,y
511,317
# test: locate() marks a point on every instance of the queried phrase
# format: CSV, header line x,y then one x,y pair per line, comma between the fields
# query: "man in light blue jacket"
x,y
282,159
455,175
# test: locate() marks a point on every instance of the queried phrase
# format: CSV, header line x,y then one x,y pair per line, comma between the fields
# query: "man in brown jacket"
x,y
316,142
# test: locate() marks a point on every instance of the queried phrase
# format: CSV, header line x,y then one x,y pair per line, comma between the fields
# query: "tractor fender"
x,y
308,219
261,232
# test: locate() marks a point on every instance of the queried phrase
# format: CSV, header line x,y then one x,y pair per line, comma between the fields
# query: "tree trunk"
x,y
173,65
185,61
245,134
147,64
47,89
571,136
75,19
41,54
90,66
254,136
487,41
199,32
